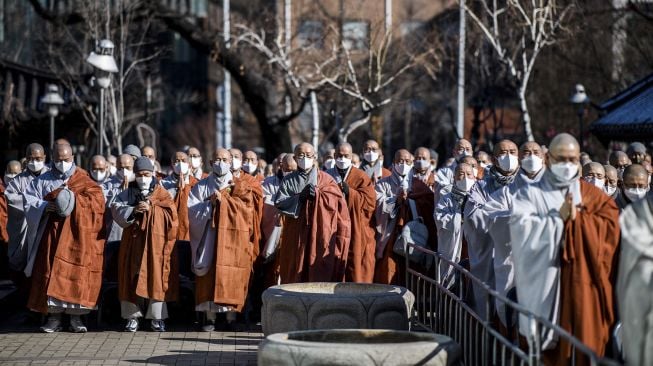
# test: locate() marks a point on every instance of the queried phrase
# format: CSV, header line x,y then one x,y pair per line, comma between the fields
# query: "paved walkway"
x,y
120,348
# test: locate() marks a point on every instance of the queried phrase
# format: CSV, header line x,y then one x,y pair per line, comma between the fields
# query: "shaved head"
x,y
250,155
62,152
61,142
619,159
193,151
148,152
98,162
14,167
403,155
594,169
530,148
288,163
34,148
343,150
125,161
179,157
463,144
344,145
305,148
223,155
236,153
563,149
462,171
422,153
635,170
505,146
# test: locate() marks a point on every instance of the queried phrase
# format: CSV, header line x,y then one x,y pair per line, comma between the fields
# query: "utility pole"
x,y
460,110
226,88
387,127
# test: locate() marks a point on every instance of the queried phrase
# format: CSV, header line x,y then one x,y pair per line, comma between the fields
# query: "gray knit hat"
x,y
636,147
143,163
132,150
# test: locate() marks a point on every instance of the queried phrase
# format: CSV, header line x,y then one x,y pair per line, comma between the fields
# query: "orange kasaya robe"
x,y
237,219
588,267
315,245
68,263
181,203
4,216
361,203
391,268
146,252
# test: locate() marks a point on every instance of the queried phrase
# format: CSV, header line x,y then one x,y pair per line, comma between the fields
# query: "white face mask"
x,y
305,163
403,169
343,163
98,175
532,164
236,164
113,170
475,172
599,183
329,163
564,171
250,167
508,162
484,165
195,162
422,164
63,166
371,156
127,174
35,166
181,168
465,184
144,182
461,154
610,190
635,194
220,168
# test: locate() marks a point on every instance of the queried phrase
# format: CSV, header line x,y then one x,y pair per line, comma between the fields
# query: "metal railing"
x,y
442,305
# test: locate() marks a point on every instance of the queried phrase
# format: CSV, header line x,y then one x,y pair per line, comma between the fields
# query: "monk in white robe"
x,y
461,149
634,282
565,234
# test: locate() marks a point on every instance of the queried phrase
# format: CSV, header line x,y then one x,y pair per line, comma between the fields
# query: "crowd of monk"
x,y
540,226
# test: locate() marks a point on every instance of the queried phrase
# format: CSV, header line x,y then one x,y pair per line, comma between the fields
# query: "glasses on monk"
x,y
194,156
302,155
404,161
562,159
371,149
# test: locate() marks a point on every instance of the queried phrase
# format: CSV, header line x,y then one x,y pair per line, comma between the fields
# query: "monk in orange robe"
x,y
565,236
359,193
315,239
224,215
64,208
4,237
179,184
393,212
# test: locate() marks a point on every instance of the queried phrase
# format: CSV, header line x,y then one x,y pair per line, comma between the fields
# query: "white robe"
x,y
112,188
635,282
387,190
536,233
448,219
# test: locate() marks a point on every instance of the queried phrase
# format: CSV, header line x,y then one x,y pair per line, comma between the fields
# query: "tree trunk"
x,y
525,116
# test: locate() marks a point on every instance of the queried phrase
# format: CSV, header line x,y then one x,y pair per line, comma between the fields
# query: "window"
x,y
412,27
310,34
355,35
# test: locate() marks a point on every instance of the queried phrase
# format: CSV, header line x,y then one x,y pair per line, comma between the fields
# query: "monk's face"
x,y
344,151
236,154
99,164
501,161
288,164
611,178
621,162
144,173
304,151
222,155
463,171
180,157
563,153
636,181
250,157
35,155
355,160
371,146
63,153
403,157
148,152
530,149
463,147
330,154
423,154
594,171
126,162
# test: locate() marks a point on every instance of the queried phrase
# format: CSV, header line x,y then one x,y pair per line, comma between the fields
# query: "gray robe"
x,y
373,171
497,211
448,219
444,176
635,283
385,214
171,184
16,223
287,199
112,188
536,233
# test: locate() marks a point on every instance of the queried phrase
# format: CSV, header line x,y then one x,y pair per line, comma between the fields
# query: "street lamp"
x,y
580,99
52,100
105,65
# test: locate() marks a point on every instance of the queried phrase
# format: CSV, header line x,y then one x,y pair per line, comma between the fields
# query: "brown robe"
x,y
145,253
391,268
361,203
314,246
588,268
68,263
181,202
4,216
237,219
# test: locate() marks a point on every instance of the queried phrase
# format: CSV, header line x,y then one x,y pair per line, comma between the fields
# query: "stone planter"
x,y
325,305
358,347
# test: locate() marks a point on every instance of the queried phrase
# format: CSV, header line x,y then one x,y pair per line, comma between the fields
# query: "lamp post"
x,y
52,100
580,99
104,64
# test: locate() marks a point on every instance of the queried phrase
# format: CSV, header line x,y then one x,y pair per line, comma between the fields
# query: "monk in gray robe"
x,y
449,219
611,181
564,234
634,282
635,186
480,213
16,225
461,149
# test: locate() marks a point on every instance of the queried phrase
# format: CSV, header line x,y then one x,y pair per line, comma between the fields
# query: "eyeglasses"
x,y
302,155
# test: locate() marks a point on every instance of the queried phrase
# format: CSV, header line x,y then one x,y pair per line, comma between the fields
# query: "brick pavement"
x,y
120,348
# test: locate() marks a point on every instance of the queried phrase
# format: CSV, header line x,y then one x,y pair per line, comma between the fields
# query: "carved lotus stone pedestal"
x,y
325,305
358,347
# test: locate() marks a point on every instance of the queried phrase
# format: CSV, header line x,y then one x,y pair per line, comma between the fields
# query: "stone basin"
x,y
359,347
327,305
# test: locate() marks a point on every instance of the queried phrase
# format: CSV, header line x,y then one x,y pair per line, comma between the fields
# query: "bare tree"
x,y
517,31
